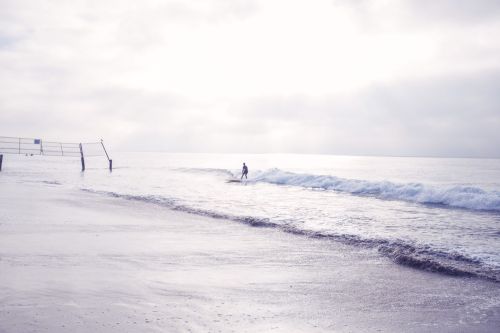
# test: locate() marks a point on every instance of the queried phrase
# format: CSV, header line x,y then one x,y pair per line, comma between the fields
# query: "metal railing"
x,y
33,146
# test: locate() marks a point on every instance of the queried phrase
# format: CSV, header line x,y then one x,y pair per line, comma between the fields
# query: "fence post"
x,y
83,160
1,160
110,160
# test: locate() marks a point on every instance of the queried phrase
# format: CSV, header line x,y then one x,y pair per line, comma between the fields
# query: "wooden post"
x,y
83,160
107,156
1,160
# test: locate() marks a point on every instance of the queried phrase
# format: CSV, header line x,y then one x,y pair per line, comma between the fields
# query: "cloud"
x,y
450,116
458,11
351,77
421,14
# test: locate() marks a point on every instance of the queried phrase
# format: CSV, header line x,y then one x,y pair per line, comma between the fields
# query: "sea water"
x,y
436,214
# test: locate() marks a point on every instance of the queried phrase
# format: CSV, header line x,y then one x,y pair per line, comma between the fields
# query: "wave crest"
x,y
466,197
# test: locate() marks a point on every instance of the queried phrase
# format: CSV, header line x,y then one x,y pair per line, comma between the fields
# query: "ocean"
x,y
436,214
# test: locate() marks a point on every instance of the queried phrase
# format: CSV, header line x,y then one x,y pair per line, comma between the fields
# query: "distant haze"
x,y
374,77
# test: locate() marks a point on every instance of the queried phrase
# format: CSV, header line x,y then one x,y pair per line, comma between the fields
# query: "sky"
x,y
350,77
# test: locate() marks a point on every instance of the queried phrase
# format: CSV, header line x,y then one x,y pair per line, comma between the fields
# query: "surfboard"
x,y
233,181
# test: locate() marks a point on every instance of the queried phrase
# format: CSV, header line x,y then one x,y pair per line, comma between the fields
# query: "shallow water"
x,y
430,213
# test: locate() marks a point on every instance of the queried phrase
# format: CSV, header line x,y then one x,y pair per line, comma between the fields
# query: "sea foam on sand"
x,y
74,261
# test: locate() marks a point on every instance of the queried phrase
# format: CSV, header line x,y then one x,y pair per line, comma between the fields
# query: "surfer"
x,y
244,171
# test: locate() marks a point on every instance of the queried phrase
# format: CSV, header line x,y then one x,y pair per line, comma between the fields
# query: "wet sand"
x,y
72,261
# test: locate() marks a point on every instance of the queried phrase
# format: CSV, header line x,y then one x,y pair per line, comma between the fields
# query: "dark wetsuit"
x,y
244,172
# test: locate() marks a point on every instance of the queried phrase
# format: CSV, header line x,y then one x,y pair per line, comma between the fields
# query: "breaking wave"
x,y
466,197
403,253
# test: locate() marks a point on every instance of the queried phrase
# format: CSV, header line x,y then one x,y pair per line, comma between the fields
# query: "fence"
x,y
32,146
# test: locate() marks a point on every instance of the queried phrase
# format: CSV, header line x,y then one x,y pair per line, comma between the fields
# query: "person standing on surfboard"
x,y
244,171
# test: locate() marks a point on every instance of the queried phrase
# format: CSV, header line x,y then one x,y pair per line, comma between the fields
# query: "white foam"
x,y
454,196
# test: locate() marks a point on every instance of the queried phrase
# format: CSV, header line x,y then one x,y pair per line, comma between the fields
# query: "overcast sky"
x,y
357,77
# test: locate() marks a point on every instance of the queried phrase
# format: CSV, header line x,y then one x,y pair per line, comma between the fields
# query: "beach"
x,y
250,166
74,261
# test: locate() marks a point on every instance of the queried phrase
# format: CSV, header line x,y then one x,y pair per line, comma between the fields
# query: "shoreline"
x,y
400,252
80,262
